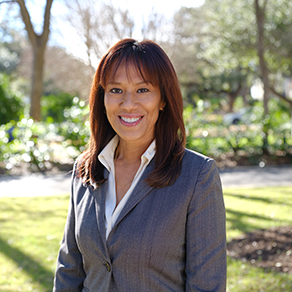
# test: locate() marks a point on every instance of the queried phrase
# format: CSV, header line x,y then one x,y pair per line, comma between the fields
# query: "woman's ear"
x,y
162,105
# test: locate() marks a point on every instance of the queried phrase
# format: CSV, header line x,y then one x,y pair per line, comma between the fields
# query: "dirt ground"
x,y
270,249
244,159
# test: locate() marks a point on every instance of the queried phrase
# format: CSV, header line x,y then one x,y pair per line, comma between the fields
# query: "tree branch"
x,y
46,26
265,5
11,1
280,95
27,22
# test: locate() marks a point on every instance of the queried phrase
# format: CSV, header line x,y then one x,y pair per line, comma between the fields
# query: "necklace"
x,y
115,157
125,184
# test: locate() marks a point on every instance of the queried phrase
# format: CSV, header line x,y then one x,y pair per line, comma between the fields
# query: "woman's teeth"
x,y
130,120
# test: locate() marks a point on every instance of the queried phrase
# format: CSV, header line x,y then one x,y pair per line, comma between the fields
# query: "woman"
x,y
146,214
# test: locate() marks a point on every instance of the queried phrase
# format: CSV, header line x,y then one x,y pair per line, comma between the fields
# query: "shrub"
x,y
41,143
53,106
211,137
11,103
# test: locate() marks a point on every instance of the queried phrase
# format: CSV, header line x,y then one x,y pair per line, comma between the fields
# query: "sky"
x,y
64,35
138,9
168,8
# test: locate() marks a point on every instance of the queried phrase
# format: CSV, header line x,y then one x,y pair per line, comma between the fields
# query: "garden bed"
x,y
270,249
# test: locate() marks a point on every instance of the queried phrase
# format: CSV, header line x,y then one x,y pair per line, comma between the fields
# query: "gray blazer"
x,y
167,239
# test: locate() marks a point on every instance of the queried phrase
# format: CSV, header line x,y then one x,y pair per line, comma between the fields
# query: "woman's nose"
x,y
129,101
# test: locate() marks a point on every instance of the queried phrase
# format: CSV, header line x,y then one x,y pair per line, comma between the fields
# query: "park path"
x,y
59,184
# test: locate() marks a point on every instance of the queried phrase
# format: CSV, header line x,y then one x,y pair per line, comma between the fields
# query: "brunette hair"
x,y
155,67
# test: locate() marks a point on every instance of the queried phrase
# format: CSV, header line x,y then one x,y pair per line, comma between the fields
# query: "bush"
x,y
41,143
211,137
53,106
75,130
11,103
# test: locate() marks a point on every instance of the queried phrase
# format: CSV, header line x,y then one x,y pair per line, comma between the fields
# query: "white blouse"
x,y
106,157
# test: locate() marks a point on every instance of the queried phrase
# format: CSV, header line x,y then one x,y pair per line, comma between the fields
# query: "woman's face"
x,y
132,105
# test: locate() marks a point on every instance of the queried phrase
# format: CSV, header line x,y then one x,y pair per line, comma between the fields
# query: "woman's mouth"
x,y
130,121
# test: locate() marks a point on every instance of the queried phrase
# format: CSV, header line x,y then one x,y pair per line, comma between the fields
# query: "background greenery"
x,y
65,132
215,51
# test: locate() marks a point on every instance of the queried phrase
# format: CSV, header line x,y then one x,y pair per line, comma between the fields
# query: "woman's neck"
x,y
130,152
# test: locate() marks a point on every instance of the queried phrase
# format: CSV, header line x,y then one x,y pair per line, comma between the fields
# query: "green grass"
x,y
31,230
247,210
250,209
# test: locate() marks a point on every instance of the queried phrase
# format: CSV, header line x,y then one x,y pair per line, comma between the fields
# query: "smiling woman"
x,y
130,70
132,106
146,214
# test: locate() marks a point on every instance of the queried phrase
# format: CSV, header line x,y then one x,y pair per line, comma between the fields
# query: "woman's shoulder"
x,y
197,162
81,160
194,156
78,165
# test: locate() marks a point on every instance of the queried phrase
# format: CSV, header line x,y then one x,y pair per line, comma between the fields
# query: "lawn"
x,y
31,230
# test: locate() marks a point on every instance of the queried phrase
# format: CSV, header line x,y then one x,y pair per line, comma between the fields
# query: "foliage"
x,y
32,143
209,135
39,143
75,129
53,106
11,102
29,240
214,48
10,49
42,143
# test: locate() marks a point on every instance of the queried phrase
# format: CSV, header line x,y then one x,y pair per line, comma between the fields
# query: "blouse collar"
x,y
106,156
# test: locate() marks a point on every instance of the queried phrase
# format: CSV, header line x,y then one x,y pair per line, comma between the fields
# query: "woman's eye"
x,y
116,90
142,90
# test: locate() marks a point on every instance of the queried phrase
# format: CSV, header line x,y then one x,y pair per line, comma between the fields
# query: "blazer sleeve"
x,y
206,234
69,274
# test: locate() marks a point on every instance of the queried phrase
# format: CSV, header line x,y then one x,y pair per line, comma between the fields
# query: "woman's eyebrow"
x,y
112,82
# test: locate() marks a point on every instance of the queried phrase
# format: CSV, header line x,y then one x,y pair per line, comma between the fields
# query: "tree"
x,y
38,43
98,25
62,73
152,28
229,34
206,69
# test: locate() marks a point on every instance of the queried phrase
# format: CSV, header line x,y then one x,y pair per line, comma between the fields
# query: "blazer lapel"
x,y
99,195
139,192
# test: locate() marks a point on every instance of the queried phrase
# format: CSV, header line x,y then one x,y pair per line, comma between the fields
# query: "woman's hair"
x,y
155,67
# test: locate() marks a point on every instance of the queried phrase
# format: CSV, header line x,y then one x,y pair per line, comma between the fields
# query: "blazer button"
x,y
107,266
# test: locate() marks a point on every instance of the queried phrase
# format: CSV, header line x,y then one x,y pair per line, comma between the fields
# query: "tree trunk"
x,y
260,19
37,83
244,93
232,97
38,43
